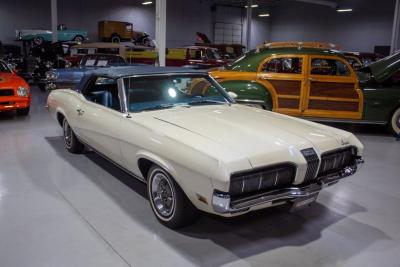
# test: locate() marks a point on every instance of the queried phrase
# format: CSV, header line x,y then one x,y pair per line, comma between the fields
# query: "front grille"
x,y
312,163
334,161
6,103
261,180
6,92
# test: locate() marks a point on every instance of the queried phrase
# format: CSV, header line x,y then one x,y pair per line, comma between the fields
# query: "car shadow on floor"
x,y
242,237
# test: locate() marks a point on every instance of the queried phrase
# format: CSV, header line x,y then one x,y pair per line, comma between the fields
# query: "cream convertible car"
x,y
178,131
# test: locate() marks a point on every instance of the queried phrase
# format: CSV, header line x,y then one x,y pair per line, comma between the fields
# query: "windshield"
x,y
4,67
213,54
160,92
101,61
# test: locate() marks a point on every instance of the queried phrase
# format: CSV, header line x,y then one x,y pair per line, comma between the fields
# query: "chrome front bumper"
x,y
223,203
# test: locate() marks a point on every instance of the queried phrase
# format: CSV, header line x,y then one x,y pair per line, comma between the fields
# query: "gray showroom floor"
x,y
59,209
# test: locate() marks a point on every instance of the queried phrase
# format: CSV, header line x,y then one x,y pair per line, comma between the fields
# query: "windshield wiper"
x,y
162,106
207,101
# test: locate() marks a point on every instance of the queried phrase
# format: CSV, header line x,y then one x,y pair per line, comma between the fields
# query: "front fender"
x,y
249,92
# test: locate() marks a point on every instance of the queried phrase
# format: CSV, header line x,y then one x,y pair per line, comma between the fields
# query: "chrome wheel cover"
x,y
162,195
67,134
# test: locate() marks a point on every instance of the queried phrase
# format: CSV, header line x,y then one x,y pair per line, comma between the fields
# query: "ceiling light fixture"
x,y
344,10
264,15
253,6
147,3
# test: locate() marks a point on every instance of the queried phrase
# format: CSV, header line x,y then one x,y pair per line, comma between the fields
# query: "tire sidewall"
x,y
394,121
38,40
115,39
68,147
152,173
78,38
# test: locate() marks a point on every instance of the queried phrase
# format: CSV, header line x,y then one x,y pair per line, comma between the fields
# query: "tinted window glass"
x,y
4,67
159,92
284,65
332,67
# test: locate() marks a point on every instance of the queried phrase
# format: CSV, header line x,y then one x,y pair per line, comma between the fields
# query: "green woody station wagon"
x,y
314,81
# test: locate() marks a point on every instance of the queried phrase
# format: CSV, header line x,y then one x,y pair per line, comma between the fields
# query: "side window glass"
x,y
331,67
103,91
284,65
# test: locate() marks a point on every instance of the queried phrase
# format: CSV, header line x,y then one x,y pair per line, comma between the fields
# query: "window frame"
x,y
271,57
343,60
122,89
92,80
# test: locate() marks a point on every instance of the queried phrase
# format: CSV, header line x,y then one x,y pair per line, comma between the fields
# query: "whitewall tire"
x,y
167,200
394,122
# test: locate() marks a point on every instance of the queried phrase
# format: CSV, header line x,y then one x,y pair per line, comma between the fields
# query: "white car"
x,y
177,130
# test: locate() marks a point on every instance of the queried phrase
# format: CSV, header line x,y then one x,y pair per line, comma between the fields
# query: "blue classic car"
x,y
70,77
38,37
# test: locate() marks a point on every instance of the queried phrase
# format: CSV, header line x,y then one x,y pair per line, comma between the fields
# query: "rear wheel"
x,y
79,39
23,111
394,123
115,38
38,40
72,143
168,201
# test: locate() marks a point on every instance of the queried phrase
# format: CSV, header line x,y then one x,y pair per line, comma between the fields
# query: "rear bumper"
x,y
223,203
14,102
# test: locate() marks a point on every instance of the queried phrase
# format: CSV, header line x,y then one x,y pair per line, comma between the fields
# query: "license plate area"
x,y
304,202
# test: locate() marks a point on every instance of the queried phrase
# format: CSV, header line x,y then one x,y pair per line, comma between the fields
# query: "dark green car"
x,y
316,83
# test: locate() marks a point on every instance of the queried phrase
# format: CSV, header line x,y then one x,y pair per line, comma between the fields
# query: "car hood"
x,y
382,69
10,80
254,133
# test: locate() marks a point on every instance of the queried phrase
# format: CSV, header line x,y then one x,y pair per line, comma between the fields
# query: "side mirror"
x,y
233,95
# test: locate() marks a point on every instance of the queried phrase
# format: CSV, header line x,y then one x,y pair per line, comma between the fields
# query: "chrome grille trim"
x,y
313,163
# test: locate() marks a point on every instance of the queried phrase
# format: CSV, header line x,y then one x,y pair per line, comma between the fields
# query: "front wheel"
x,y
168,201
394,123
72,143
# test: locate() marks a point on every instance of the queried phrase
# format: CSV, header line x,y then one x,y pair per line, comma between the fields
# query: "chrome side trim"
x,y
122,95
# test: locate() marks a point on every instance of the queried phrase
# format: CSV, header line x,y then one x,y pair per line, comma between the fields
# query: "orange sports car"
x,y
14,91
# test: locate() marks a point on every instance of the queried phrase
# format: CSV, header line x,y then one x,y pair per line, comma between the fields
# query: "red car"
x,y
14,91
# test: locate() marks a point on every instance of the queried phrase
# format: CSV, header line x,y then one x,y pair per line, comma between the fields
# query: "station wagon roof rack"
x,y
299,45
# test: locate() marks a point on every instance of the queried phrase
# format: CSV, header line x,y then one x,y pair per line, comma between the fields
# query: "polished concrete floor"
x,y
59,209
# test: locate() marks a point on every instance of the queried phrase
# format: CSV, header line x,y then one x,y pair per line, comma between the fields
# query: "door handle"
x,y
80,112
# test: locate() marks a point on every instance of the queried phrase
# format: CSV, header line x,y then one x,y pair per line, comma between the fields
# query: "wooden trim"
x,y
283,87
333,105
288,103
322,98
330,89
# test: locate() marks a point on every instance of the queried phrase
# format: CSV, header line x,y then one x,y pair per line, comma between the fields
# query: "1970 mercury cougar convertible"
x,y
178,131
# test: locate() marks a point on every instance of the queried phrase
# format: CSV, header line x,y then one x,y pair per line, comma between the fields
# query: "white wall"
x,y
184,17
369,25
21,14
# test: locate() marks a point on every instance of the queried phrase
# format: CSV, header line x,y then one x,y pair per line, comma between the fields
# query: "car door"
x,y
332,89
285,76
99,117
